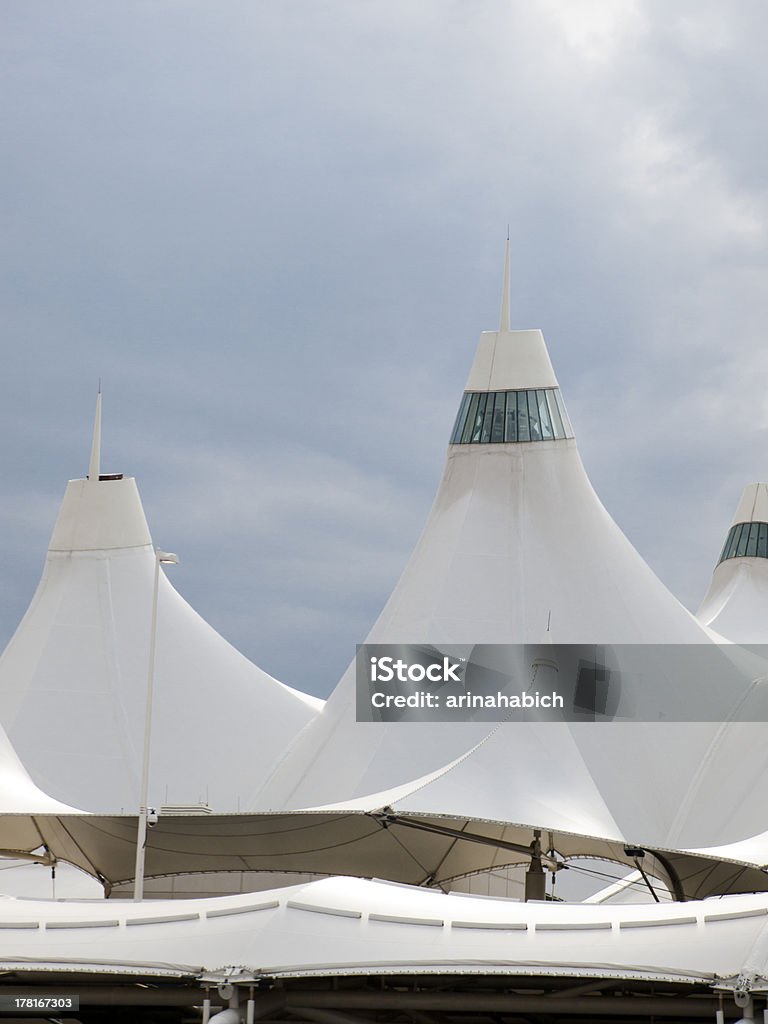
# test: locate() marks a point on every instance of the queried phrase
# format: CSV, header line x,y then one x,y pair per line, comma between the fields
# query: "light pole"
x,y
166,558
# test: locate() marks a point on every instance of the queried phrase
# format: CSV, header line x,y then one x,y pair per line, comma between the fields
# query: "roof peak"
x,y
94,466
504,323
753,505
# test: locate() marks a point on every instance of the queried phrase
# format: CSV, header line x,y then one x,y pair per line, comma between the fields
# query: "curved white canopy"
x,y
21,801
344,926
20,795
516,540
73,679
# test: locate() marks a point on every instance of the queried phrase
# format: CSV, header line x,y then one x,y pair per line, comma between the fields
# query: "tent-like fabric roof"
x,y
73,679
19,793
345,926
20,801
398,845
517,540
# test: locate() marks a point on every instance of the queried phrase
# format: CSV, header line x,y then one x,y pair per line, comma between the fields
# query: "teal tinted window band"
x,y
504,417
746,540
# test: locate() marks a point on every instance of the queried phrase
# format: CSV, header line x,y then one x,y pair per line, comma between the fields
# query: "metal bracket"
x,y
232,976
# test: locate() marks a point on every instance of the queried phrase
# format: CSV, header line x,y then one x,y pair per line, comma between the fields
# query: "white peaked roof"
x,y
516,538
73,679
736,604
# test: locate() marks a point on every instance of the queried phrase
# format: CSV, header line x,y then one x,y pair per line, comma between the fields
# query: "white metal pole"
x,y
141,836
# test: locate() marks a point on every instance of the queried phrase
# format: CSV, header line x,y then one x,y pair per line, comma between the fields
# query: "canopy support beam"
x,y
46,858
387,818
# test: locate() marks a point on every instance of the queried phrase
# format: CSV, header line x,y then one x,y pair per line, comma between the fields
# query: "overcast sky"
x,y
275,229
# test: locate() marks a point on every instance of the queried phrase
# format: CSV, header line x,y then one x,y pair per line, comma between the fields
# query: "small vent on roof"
x,y
110,476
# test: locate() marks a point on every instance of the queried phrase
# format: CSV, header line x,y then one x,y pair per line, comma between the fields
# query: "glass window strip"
x,y
544,420
741,546
746,540
497,424
496,417
466,434
554,415
533,417
523,420
485,435
735,534
510,430
461,416
752,541
563,413
477,427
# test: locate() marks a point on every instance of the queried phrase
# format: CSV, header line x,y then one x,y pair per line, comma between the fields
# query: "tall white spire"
x,y
504,325
94,467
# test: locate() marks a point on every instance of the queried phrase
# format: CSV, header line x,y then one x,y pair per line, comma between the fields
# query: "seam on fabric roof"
x,y
119,716
254,855
442,861
86,859
426,872
493,359
441,773
698,779
756,959
395,598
